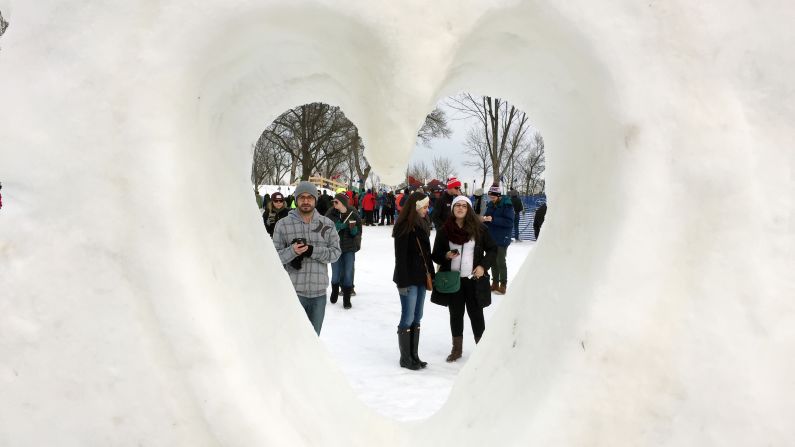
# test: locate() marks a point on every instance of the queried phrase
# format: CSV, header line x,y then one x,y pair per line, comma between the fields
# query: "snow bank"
x,y
140,303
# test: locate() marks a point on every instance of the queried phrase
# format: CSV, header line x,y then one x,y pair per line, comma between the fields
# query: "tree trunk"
x,y
293,168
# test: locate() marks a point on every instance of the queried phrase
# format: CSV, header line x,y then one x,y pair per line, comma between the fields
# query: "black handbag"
x,y
483,290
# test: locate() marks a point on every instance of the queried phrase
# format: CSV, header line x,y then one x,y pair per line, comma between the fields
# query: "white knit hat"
x,y
462,199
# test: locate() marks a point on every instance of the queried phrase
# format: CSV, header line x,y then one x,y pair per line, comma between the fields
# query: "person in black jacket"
x,y
276,210
441,207
412,265
349,227
538,219
323,203
464,244
518,207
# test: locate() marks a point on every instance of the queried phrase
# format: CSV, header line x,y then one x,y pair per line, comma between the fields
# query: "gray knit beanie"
x,y
305,187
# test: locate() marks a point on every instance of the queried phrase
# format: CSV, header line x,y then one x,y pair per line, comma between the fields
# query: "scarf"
x,y
456,234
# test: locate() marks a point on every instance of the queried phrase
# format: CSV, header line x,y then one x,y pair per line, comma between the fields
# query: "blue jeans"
x,y
315,308
342,269
411,305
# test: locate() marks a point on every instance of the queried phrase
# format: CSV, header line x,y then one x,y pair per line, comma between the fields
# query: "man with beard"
x,y
306,243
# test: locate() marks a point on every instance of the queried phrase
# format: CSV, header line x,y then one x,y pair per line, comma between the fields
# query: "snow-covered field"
x,y
363,339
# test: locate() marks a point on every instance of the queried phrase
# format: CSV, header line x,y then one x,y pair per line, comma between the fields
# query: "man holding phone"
x,y
306,243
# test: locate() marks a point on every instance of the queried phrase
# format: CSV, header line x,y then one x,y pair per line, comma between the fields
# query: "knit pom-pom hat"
x,y
453,183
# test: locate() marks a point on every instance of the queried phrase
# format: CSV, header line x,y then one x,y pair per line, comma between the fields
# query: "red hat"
x,y
453,183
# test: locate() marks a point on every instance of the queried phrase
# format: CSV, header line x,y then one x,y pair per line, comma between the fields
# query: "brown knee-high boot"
x,y
458,347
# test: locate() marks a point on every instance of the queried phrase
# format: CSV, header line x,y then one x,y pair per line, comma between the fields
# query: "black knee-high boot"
x,y
404,343
415,343
335,292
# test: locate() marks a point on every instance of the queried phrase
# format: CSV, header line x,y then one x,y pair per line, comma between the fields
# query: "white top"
x,y
465,262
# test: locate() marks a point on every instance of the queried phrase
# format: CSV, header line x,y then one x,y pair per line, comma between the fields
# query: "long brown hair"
x,y
409,218
472,223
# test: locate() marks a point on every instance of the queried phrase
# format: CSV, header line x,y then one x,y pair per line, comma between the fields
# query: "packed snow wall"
x,y
142,306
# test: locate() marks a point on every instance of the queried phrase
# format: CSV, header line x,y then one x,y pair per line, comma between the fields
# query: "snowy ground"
x,y
363,339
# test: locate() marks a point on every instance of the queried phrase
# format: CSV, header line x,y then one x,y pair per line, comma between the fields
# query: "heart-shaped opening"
x,y
550,72
316,142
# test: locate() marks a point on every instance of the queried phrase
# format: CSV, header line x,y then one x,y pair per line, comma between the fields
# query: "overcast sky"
x,y
453,147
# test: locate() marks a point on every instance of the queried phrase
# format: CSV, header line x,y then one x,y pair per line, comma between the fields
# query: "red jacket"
x,y
368,203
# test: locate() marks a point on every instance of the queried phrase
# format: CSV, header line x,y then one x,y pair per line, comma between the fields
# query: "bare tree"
x,y
435,126
334,166
499,121
270,163
360,164
480,158
443,168
310,134
516,144
531,166
419,171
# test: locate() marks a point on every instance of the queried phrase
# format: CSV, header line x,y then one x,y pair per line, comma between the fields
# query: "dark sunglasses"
x,y
278,200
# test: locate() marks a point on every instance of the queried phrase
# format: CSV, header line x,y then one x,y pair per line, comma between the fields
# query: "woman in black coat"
x,y
412,263
464,244
276,210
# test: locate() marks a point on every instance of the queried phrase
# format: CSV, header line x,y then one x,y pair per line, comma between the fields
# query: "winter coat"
x,y
518,207
270,217
311,280
323,204
368,202
485,255
501,225
538,219
441,209
409,268
350,238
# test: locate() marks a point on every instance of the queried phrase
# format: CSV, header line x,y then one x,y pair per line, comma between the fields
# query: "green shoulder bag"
x,y
447,282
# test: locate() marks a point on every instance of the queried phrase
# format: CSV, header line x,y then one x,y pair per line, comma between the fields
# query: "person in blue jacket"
x,y
499,220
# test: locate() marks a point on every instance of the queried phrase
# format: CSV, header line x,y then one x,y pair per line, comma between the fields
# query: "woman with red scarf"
x,y
463,244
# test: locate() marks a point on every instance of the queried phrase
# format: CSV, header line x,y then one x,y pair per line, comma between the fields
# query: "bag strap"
x,y
422,253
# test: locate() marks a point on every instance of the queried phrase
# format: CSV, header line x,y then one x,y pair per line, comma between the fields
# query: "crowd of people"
x,y
311,230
